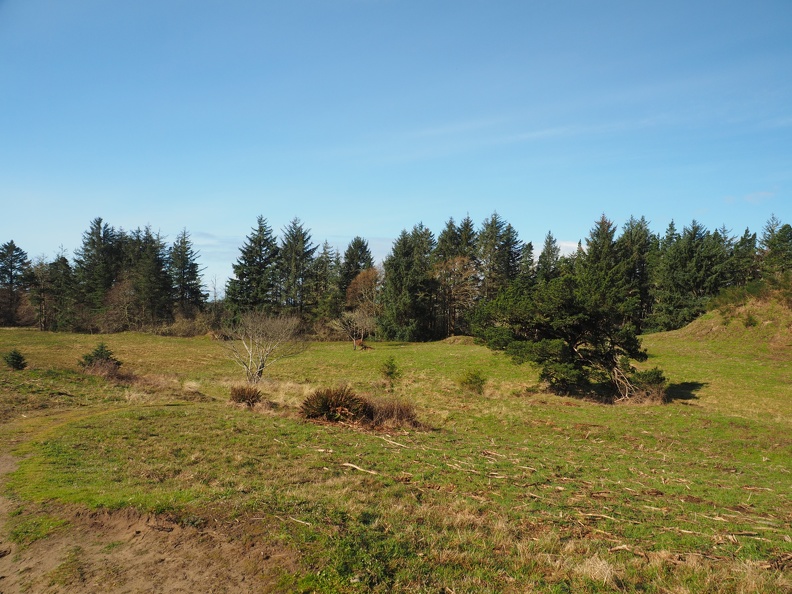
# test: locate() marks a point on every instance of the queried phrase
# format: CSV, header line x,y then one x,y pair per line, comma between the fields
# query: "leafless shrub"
x,y
258,340
185,327
356,325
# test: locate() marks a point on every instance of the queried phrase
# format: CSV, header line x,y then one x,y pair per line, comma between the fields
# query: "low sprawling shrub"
x,y
337,404
15,360
247,394
651,386
185,327
100,361
473,380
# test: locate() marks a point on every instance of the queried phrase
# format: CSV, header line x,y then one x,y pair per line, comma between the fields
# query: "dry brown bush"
x,y
337,404
247,394
392,412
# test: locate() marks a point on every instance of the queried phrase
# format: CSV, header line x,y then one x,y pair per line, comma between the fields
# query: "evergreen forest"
x,y
577,316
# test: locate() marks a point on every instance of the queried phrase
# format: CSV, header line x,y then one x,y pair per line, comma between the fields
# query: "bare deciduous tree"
x,y
357,325
258,340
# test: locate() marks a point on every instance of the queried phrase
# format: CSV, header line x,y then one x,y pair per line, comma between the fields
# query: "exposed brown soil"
x,y
126,552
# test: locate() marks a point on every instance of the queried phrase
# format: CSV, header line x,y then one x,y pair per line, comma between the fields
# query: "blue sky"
x,y
365,117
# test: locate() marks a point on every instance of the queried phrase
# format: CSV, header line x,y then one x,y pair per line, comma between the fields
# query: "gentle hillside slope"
x,y
737,360
156,483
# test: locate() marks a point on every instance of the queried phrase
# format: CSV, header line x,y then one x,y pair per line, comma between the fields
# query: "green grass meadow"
x,y
511,490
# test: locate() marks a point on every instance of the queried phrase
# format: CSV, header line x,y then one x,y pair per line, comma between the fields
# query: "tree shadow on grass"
x,y
684,391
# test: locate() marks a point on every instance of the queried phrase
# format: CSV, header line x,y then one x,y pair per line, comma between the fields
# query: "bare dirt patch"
x,y
127,552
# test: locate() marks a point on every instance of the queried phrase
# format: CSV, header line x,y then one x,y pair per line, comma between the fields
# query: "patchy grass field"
x,y
511,490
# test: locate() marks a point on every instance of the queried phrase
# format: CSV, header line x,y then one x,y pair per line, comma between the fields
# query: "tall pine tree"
x,y
296,269
53,294
547,265
357,258
498,255
188,297
255,281
97,265
408,291
143,297
14,276
638,251
327,295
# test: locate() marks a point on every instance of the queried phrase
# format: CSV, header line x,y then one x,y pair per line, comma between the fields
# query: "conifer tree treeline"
x,y
118,280
469,279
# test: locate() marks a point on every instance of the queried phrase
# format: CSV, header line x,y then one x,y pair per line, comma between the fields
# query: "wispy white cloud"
x,y
753,198
567,247
783,122
758,197
474,135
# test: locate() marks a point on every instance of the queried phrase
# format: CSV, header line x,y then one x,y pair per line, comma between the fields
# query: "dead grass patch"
x,y
597,569
393,413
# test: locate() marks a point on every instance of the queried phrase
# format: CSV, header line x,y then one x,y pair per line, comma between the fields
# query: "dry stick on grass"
x,y
490,453
290,518
458,467
603,516
401,445
359,468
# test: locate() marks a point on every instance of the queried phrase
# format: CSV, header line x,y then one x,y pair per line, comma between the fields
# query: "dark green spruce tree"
x,y
144,296
327,280
692,268
52,293
98,263
409,288
499,252
357,258
188,295
776,248
455,272
255,281
14,278
547,265
296,269
638,252
744,264
573,324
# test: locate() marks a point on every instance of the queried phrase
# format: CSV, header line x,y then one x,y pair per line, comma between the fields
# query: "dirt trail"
x,y
126,552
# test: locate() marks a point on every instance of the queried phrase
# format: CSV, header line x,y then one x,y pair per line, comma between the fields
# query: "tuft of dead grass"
x,y
597,569
394,413
106,369
247,394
